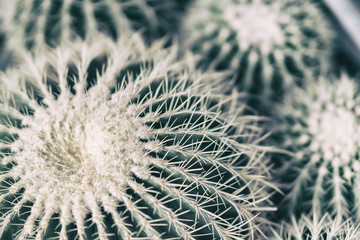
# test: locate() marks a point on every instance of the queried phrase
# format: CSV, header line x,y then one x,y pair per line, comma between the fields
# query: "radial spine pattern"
x,y
312,227
136,153
322,127
271,44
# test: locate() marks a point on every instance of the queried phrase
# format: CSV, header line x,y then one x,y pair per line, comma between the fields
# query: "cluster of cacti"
x,y
272,44
115,123
146,154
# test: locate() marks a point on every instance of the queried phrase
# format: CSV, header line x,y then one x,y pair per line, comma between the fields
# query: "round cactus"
x,y
146,154
311,227
321,126
270,44
34,24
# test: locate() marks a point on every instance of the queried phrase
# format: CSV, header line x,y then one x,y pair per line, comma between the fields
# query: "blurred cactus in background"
x,y
321,126
148,154
34,25
271,45
4,55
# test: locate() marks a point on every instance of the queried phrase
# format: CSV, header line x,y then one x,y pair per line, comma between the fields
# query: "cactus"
x,y
270,44
320,125
146,154
311,227
33,24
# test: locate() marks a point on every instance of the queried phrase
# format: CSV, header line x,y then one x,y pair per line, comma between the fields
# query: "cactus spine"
x,y
270,44
148,155
311,227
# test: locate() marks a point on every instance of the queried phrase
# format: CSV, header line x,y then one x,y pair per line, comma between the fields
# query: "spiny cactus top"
x,y
37,23
322,127
139,153
311,227
271,43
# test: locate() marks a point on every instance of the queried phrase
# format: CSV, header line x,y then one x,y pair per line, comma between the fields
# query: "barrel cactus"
x,y
270,44
314,228
134,154
321,126
33,24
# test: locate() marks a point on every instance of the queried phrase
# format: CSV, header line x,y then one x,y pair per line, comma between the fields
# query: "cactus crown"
x,y
265,32
321,125
132,154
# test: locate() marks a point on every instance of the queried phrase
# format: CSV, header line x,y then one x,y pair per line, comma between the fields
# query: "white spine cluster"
x,y
312,227
322,129
151,155
257,25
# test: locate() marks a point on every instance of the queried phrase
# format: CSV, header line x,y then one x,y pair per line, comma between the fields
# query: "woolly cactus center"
x,y
78,145
334,132
106,142
255,24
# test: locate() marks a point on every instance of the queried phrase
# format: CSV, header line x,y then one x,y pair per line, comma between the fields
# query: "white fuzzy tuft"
x,y
264,32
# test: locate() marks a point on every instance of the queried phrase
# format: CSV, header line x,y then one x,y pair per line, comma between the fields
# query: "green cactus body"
x,y
37,23
270,44
4,57
321,127
150,155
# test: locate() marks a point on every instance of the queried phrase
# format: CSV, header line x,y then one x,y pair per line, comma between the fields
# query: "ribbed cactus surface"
x,y
4,54
321,126
37,23
127,154
270,44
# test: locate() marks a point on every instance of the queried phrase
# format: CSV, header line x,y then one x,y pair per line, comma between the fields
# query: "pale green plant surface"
x,y
146,154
